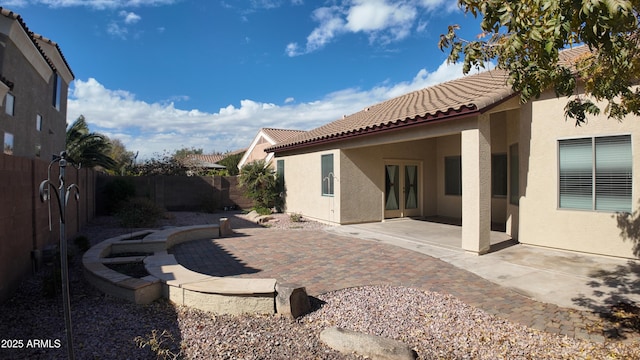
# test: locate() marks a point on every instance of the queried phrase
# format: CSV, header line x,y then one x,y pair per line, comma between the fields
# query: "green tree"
x,y
260,185
231,163
160,164
524,38
182,154
124,159
87,148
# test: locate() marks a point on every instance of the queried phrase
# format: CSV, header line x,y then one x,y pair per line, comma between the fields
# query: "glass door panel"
x,y
411,186
392,189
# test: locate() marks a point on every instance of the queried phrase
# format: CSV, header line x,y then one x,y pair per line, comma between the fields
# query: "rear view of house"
x,y
468,150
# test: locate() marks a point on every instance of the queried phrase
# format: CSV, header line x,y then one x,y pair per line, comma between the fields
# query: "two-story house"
x,y
34,80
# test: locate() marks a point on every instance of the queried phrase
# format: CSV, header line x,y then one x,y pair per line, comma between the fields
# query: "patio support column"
x,y
476,187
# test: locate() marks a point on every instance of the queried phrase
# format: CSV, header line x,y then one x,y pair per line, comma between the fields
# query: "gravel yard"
x,y
437,326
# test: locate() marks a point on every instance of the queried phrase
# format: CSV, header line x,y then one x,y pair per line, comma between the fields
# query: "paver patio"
x,y
323,262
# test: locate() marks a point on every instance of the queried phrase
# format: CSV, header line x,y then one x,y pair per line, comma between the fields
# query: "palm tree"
x,y
87,148
260,184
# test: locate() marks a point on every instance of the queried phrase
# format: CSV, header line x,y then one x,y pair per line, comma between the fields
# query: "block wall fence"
x,y
24,218
25,221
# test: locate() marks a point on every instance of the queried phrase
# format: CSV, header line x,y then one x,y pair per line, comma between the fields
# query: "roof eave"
x,y
452,114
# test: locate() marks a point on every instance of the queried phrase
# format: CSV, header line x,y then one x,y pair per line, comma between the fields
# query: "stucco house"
x,y
468,149
34,80
265,138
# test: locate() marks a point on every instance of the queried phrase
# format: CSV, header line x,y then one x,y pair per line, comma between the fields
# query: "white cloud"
x,y
104,4
151,128
289,100
383,21
116,30
15,3
130,17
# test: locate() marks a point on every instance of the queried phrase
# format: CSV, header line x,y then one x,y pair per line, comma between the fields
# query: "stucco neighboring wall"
x,y
258,153
542,223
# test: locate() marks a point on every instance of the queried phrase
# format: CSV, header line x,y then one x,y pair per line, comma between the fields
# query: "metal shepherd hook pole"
x,y
63,197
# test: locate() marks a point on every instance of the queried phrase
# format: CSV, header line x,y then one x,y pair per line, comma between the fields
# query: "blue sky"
x,y
162,75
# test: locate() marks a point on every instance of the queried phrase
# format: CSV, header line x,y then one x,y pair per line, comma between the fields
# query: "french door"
x,y
402,189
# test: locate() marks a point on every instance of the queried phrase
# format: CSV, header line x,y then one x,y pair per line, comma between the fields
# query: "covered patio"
x,y
437,231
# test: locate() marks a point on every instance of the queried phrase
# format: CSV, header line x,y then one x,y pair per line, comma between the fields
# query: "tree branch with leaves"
x,y
525,37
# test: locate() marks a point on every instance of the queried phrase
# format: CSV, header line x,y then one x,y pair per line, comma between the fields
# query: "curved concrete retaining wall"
x,y
182,286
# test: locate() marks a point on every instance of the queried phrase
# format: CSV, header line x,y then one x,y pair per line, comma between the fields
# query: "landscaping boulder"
x,y
292,300
369,346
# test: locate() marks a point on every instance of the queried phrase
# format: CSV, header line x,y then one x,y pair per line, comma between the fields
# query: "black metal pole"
x,y
63,259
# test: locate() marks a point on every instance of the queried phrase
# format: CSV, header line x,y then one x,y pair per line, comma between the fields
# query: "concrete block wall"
x,y
181,193
24,219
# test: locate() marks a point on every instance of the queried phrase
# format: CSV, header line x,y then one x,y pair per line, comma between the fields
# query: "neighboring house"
x,y
265,138
34,79
204,161
209,161
468,149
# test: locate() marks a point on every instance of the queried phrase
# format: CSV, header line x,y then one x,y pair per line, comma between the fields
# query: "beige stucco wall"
x,y
512,137
363,179
448,205
499,146
359,182
303,186
541,222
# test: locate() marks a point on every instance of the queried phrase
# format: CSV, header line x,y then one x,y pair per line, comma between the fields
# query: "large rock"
x,y
369,346
292,300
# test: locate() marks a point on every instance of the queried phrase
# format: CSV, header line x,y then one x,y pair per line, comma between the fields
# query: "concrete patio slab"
x,y
568,279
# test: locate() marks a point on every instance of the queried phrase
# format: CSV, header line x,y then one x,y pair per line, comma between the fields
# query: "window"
x,y
8,143
280,175
595,173
39,122
57,91
499,175
9,104
452,175
514,175
327,175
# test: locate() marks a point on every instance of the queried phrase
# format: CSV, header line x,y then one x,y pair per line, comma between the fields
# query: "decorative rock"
x,y
292,300
263,219
369,346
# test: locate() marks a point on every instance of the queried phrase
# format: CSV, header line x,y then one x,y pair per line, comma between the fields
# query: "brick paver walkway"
x,y
324,262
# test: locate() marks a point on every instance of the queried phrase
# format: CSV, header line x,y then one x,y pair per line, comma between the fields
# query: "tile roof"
x,y
450,100
210,159
35,37
280,135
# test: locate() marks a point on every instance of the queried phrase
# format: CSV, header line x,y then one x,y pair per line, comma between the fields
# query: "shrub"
x,y
260,185
82,243
139,212
210,205
117,192
295,217
162,344
261,210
